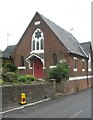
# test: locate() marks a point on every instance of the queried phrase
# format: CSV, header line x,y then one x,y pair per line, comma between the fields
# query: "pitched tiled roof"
x,y
86,46
66,38
9,51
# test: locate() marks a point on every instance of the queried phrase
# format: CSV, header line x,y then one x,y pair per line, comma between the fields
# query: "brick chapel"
x,y
44,44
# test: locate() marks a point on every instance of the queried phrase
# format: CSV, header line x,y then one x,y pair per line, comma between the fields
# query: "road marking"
x,y
73,116
18,108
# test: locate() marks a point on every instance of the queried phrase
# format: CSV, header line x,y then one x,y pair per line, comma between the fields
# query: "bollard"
x,y
23,99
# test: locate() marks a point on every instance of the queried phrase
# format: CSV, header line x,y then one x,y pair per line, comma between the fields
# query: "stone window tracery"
x,y
37,41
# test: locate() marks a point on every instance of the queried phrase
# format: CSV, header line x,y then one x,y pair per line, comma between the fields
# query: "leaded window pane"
x,y
37,45
42,43
33,44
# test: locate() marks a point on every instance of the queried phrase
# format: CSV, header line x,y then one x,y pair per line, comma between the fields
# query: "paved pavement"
x,y
77,105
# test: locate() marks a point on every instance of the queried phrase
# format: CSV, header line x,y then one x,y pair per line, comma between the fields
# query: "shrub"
x,y
26,78
1,82
61,72
28,82
21,78
29,77
11,77
4,76
10,67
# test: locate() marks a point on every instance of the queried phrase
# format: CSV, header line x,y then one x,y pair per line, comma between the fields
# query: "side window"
x,y
75,63
22,60
83,64
54,57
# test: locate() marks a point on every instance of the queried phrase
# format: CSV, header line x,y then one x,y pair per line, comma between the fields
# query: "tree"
x,y
9,72
10,67
60,72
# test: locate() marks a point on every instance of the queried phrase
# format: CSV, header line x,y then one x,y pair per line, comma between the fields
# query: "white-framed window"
x,y
37,44
22,63
75,63
83,65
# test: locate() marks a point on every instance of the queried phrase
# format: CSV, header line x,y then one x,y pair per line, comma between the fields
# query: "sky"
x,y
71,15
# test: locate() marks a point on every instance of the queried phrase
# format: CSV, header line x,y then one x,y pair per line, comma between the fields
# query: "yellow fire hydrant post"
x,y
23,99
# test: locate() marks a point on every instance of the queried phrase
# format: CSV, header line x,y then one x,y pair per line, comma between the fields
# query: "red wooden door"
x,y
38,72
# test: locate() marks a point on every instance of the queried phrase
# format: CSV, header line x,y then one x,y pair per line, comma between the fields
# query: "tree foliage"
x,y
10,67
60,72
9,72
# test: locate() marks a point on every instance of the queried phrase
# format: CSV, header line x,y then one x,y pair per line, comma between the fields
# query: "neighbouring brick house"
x,y
44,44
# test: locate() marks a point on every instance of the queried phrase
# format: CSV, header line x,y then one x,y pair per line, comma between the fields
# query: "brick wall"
x,y
70,87
11,94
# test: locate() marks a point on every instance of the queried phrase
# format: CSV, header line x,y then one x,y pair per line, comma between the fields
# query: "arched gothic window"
x,y
37,41
54,59
22,61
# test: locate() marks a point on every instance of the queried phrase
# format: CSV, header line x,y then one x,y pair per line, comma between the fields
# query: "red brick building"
x,y
44,44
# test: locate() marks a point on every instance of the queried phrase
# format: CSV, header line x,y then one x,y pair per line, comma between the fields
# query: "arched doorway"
x,y
37,68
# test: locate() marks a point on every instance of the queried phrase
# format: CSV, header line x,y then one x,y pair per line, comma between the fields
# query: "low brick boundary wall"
x,y
11,94
73,86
